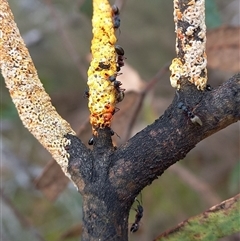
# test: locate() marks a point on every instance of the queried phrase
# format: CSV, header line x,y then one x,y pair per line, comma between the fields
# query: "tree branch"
x,y
27,92
222,218
191,62
150,152
108,178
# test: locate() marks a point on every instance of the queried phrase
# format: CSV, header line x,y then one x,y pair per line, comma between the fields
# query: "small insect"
x,y
115,10
193,118
139,214
112,132
120,61
90,142
117,84
119,50
116,17
117,21
120,95
120,57
120,92
208,87
112,78
104,66
86,93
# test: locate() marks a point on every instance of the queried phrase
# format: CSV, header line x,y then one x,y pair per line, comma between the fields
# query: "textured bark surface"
x,y
109,179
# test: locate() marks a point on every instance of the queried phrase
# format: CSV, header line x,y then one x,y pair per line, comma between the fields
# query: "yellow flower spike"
x,y
102,92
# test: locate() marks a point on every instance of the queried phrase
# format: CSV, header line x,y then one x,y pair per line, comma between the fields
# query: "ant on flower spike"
x,y
139,214
119,50
116,18
86,93
117,84
120,57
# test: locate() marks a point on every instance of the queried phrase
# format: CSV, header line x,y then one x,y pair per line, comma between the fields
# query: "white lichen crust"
x,y
191,61
27,92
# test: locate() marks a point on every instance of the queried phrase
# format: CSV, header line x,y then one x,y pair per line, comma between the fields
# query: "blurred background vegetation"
x,y
58,36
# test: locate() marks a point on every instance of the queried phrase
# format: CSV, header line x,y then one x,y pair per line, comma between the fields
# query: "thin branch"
x,y
222,218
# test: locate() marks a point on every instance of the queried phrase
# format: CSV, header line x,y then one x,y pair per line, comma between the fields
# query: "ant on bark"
x,y
112,132
139,214
193,118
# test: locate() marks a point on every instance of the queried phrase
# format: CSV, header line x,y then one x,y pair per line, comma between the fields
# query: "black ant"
x,y
193,118
120,91
120,95
104,66
112,132
120,61
119,50
120,58
90,142
208,87
117,84
139,214
86,93
113,79
116,18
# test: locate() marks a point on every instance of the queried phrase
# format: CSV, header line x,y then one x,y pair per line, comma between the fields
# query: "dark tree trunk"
x,y
110,178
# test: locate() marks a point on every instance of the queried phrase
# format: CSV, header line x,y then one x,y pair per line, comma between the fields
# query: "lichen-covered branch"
x,y
191,61
219,221
27,92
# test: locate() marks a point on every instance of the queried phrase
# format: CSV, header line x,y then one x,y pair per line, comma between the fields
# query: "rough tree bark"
x,y
107,177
